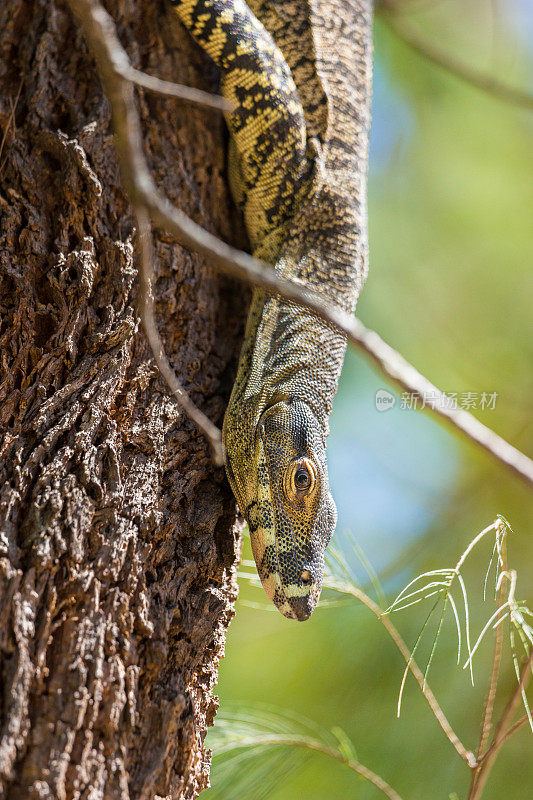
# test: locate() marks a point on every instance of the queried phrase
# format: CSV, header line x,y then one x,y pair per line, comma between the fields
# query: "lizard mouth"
x,y
292,589
303,596
302,607
295,597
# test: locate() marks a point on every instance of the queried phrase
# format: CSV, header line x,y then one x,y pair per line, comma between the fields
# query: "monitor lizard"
x,y
298,74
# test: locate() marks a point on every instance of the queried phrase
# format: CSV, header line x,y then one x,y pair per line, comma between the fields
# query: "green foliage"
x,y
449,285
252,745
442,582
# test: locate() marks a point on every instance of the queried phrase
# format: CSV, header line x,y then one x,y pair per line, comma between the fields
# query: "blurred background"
x,y
451,250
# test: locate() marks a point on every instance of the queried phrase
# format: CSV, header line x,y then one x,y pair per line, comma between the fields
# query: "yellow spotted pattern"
x,y
298,73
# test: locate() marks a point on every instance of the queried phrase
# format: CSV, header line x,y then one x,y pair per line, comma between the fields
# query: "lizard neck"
x,y
289,353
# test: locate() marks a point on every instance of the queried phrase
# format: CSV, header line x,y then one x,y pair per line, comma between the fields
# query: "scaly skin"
x,y
298,72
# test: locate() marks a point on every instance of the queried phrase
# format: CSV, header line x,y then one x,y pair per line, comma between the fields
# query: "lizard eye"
x,y
302,477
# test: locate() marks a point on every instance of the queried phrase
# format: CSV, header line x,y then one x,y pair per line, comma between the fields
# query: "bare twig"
x,y
188,94
378,782
100,31
122,66
496,662
266,740
146,302
415,670
509,732
515,700
486,83
354,765
501,733
10,121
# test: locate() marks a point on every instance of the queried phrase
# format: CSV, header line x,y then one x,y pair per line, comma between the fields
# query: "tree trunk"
x,y
118,543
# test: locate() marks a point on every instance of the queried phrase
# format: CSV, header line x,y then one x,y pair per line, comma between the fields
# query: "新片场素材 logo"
x,y
384,400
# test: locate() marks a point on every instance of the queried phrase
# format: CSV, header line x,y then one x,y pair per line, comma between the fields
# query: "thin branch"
x,y
515,700
10,121
501,733
100,32
354,765
188,94
486,83
495,672
146,303
509,732
396,637
319,747
493,683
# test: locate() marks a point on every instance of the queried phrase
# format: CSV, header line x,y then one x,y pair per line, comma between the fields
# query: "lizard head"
x,y
292,515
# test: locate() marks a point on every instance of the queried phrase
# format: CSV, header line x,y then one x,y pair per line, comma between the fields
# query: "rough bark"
x,y
117,540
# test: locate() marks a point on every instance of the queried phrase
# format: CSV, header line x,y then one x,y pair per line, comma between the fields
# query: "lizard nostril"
x,y
306,577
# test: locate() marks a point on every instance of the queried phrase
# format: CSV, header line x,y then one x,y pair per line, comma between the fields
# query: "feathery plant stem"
x,y
439,584
351,763
412,666
260,729
340,579
507,608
